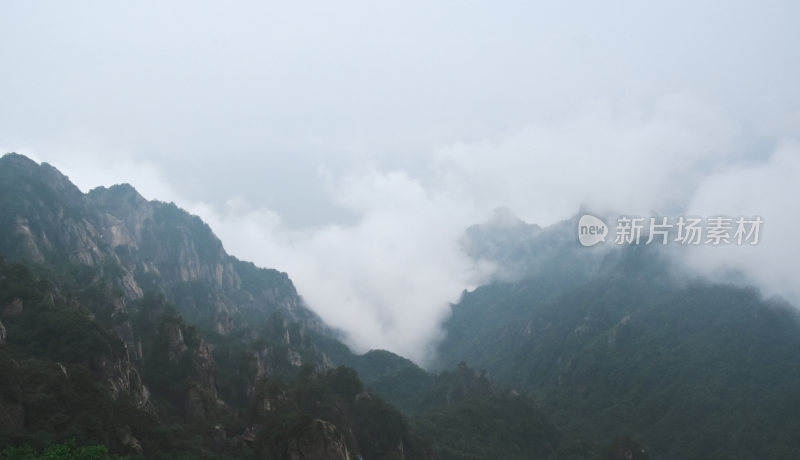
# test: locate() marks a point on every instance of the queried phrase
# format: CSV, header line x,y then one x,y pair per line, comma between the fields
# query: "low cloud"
x,y
386,277
602,156
350,145
768,189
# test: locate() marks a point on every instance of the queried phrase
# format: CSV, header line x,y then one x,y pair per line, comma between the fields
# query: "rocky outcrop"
x,y
176,345
12,416
141,245
124,329
320,440
126,439
134,281
180,347
137,247
2,334
201,403
124,379
12,309
278,346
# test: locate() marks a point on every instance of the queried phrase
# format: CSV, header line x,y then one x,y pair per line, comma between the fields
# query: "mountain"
x,y
519,250
140,245
615,343
125,325
467,417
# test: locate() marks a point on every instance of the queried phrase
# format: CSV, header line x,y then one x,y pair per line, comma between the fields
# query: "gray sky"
x,y
349,143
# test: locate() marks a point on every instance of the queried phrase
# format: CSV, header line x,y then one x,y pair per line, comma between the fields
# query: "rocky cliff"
x,y
141,245
128,317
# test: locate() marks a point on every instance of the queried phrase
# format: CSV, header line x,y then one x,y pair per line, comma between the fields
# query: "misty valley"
x,y
127,331
399,230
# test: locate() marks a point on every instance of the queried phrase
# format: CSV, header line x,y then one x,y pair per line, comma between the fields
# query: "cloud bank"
x,y
351,144
386,277
771,190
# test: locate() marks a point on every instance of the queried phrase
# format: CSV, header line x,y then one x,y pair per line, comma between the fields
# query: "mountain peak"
x,y
499,236
18,160
503,217
124,188
154,246
117,195
19,172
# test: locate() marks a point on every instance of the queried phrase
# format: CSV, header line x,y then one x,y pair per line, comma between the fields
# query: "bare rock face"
x,y
124,330
2,334
123,378
206,368
201,404
183,341
12,309
320,440
126,438
141,246
182,346
26,241
12,416
176,345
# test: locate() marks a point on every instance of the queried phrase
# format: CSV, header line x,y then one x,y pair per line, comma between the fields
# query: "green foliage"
x,y
687,369
67,451
51,368
604,345
465,417
371,427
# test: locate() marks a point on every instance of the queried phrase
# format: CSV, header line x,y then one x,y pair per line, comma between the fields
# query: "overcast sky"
x,y
350,143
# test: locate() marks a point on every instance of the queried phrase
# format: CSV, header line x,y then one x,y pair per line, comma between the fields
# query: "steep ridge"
x,y
619,343
133,313
158,343
141,245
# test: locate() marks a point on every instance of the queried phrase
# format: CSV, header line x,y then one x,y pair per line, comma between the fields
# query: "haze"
x,y
351,143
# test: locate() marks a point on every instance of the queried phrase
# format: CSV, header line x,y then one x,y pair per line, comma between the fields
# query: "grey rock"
x,y
12,309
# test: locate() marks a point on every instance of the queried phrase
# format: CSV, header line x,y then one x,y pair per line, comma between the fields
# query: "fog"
x,y
351,143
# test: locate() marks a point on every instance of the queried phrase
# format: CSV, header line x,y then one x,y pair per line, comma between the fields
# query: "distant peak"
x,y
124,188
117,191
504,217
18,160
45,174
503,220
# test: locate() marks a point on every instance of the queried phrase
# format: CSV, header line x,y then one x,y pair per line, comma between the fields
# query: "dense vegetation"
x,y
466,417
686,368
53,388
125,329
67,451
